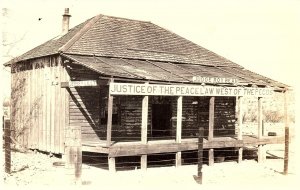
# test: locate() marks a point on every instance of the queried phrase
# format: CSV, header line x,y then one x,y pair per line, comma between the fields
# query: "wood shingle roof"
x,y
137,49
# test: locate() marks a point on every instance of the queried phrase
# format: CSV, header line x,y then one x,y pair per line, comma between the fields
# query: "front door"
x,y
161,121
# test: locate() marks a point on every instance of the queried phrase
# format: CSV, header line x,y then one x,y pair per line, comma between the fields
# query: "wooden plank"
x,y
261,154
66,105
144,162
211,118
240,118
7,145
144,119
29,108
240,155
48,112
58,113
111,164
52,105
178,160
44,115
137,148
240,127
61,105
178,129
287,136
33,110
40,92
26,111
211,157
109,118
179,120
259,117
198,178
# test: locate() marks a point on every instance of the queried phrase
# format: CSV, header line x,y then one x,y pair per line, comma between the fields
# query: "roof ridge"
x,y
79,34
129,19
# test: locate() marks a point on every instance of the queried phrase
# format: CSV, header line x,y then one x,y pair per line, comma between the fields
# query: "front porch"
x,y
137,148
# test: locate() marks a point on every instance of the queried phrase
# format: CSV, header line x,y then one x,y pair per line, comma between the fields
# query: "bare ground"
x,y
37,169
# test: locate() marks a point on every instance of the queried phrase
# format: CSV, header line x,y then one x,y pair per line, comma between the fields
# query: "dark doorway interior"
x,y
161,121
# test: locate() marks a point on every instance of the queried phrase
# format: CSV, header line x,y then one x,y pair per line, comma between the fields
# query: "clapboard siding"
x,y
38,104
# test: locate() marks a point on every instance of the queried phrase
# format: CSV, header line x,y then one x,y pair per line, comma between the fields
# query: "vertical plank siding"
x,y
38,109
48,110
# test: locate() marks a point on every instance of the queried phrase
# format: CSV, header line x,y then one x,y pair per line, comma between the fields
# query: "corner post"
x,y
211,129
179,129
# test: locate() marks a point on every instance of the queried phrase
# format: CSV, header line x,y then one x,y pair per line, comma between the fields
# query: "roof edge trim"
x,y
79,34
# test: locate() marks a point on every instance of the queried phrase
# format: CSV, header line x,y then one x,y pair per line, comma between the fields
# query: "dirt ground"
x,y
37,169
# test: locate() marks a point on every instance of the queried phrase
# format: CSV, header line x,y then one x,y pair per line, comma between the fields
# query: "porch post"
x,y
240,127
178,128
109,119
211,129
261,152
144,129
111,160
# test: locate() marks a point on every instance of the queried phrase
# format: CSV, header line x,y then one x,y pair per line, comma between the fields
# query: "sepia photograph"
x,y
131,94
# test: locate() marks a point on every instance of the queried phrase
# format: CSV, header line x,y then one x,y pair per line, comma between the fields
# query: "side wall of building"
x,y
38,104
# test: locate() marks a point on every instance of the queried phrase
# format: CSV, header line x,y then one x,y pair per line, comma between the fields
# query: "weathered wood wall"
x,y
84,105
88,109
195,113
39,109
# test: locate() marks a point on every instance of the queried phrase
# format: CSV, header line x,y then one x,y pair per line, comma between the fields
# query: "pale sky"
x,y
260,35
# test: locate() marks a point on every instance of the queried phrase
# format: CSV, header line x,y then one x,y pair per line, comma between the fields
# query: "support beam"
x,y
286,137
112,164
179,129
211,129
259,118
178,159
109,118
211,118
261,150
198,178
240,127
73,150
211,157
144,119
144,130
240,118
240,156
144,162
7,143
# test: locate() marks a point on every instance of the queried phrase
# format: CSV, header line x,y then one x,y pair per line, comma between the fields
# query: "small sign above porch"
x,y
214,80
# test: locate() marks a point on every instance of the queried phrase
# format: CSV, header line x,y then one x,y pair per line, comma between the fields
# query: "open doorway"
x,y
161,121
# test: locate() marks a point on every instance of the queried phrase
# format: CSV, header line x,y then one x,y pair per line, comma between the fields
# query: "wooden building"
x,y
133,88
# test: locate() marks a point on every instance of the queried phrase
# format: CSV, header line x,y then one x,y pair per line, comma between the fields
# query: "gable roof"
x,y
124,38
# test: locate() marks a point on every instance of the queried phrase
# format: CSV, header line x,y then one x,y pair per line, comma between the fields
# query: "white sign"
x,y
202,79
82,83
185,90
